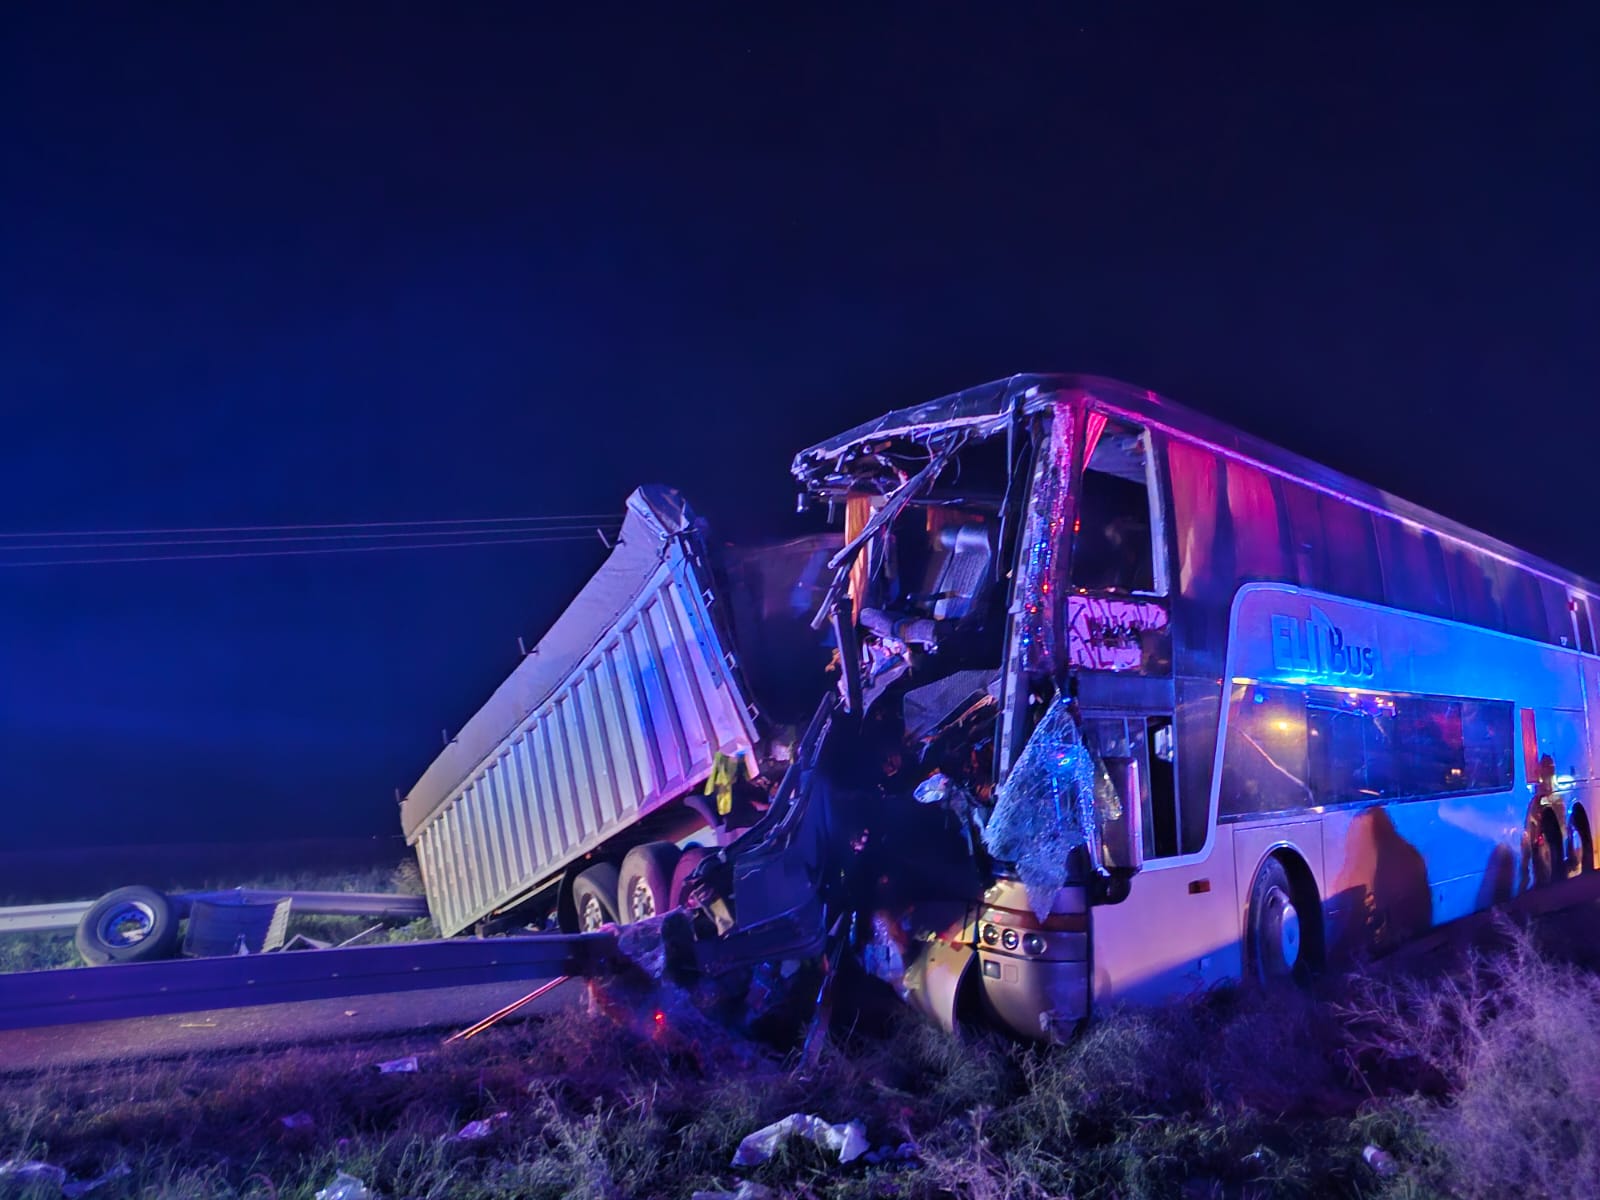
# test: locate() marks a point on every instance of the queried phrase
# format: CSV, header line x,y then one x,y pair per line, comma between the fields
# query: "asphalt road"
x,y
370,1017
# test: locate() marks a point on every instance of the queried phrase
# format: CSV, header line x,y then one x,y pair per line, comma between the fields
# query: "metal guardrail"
x,y
64,917
43,918
68,997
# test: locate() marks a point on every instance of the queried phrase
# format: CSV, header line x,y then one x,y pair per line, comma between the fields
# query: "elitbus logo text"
x,y
1318,647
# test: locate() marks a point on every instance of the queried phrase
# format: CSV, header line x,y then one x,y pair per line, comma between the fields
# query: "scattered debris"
x,y
906,1154
298,1120
16,1170
849,1140
73,1190
1380,1161
746,1191
399,1066
21,1171
473,1131
346,1187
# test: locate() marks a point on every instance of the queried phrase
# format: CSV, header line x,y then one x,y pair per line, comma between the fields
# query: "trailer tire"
x,y
594,897
1275,937
690,858
644,886
131,924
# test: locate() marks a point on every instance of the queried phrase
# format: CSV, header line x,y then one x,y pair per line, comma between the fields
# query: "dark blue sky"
x,y
315,263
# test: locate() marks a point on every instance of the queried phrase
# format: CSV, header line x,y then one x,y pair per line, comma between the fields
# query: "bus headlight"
x,y
991,935
1033,944
1009,939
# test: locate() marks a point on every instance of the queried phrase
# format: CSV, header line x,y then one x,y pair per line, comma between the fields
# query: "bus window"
x,y
1472,595
1350,742
1161,807
1580,622
1523,605
1334,543
1413,567
1114,546
1264,764
1254,514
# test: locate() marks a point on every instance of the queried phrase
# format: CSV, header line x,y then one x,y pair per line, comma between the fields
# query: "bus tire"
x,y
1581,861
1549,864
644,886
594,897
1277,948
131,924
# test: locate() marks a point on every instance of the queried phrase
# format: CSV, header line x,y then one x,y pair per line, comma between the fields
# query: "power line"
x,y
566,518
574,528
150,558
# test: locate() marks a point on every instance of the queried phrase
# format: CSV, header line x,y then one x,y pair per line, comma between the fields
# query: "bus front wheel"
x,y
1278,943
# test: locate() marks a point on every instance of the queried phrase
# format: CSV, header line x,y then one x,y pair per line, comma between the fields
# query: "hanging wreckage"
x,y
910,825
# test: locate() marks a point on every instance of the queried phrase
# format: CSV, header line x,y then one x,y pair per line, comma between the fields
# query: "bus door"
x,y
1119,646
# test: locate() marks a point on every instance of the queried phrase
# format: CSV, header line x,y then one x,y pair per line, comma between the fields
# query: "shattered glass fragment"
x,y
1046,808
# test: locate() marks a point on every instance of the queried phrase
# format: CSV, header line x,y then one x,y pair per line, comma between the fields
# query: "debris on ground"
x,y
74,1190
848,1141
1380,1160
398,1066
21,1171
746,1191
298,1120
346,1187
473,1131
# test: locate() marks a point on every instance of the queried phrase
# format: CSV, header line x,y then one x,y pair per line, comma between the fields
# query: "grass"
x,y
1476,1083
46,951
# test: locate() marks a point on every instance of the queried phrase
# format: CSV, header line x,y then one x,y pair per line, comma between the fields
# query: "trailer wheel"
x,y
690,858
644,889
594,897
131,924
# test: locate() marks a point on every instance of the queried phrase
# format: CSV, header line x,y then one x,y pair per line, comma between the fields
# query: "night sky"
x,y
303,264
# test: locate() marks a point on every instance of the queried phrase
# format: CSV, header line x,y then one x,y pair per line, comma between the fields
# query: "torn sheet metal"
x,y
1046,808
1109,633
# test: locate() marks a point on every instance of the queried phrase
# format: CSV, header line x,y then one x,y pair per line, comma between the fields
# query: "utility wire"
x,y
149,558
581,529
566,518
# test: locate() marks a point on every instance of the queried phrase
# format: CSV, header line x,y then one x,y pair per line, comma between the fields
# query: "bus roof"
x,y
987,408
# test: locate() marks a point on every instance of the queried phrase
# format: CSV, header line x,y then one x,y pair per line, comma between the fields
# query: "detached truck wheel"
x,y
131,924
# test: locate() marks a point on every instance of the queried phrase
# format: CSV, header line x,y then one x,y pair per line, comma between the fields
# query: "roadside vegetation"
x,y
1473,1083
46,951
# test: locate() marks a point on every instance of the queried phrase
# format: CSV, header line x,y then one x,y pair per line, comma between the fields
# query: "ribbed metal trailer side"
x,y
636,721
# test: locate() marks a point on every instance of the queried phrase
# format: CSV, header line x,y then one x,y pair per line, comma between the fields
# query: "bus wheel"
x,y
1581,860
645,887
1548,861
594,896
1274,946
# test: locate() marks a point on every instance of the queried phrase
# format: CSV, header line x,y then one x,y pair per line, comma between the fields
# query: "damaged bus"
x,y
1119,703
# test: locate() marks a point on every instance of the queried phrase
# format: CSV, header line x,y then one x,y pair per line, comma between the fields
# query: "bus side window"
x,y
1264,762
1580,620
1114,546
1161,806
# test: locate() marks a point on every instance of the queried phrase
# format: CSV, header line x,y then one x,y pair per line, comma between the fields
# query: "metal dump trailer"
x,y
598,743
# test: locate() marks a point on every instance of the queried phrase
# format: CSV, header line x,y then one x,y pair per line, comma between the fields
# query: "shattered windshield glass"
x,y
1046,808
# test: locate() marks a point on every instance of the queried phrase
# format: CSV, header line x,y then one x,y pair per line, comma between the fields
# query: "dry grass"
x,y
1477,1083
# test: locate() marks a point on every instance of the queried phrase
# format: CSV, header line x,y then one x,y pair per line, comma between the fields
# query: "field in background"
x,y
1467,1084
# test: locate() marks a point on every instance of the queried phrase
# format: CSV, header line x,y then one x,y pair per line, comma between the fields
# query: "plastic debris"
x,y
346,1187
1045,809
23,1171
473,1131
73,1190
848,1141
746,1191
298,1120
884,956
906,1154
399,1066
643,943
1380,1160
